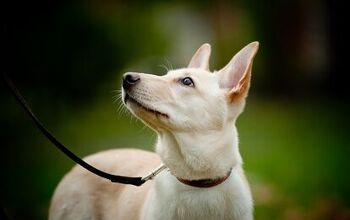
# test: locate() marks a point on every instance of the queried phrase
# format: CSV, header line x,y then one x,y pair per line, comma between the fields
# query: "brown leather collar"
x,y
205,183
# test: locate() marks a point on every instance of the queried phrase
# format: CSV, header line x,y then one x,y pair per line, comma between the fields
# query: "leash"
x,y
136,181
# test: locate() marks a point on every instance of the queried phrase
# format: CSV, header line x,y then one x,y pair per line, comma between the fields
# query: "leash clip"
x,y
154,173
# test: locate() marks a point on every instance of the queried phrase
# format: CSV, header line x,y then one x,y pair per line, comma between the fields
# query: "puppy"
x,y
193,111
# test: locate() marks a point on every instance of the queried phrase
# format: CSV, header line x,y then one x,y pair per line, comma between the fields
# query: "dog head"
x,y
193,111
191,98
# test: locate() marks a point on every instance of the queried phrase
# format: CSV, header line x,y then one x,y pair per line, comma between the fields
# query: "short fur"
x,y
197,139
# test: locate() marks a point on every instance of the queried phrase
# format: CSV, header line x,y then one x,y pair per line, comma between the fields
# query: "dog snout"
x,y
130,79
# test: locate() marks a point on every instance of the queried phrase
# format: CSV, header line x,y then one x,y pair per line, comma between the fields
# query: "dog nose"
x,y
130,79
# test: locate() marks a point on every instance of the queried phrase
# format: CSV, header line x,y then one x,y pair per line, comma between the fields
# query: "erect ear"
x,y
235,76
201,58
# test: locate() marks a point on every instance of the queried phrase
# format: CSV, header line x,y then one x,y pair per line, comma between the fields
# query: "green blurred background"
x,y
67,58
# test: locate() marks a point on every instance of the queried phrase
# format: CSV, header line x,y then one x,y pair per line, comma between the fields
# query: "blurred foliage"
x,y
67,58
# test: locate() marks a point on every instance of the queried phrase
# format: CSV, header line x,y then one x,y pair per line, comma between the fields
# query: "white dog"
x,y
193,111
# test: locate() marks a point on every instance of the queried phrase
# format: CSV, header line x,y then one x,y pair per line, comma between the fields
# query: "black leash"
x,y
136,181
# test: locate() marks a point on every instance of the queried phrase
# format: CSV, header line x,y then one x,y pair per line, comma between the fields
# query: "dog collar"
x,y
205,183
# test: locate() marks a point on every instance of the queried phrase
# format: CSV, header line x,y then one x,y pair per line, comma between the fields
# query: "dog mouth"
x,y
157,113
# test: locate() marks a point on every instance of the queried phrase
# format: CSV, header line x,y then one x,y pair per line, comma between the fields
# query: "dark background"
x,y
67,58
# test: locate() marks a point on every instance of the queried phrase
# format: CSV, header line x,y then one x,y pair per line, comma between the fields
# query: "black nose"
x,y
130,79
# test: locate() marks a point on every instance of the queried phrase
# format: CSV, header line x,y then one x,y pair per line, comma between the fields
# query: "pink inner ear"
x,y
239,69
233,73
199,63
236,69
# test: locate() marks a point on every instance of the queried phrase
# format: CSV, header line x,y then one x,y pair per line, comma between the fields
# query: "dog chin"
x,y
143,112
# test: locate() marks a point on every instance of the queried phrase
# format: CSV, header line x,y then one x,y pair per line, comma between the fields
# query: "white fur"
x,y
196,140
171,199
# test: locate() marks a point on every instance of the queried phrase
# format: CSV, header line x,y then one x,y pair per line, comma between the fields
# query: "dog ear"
x,y
235,76
201,58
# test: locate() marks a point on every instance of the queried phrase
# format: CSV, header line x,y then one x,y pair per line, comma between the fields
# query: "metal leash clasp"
x,y
154,173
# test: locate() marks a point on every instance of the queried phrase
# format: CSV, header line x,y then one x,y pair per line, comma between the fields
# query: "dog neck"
x,y
193,156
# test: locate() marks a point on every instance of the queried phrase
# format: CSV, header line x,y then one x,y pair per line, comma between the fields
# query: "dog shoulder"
x,y
83,193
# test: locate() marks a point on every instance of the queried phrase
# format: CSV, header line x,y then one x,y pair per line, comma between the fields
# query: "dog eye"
x,y
187,81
